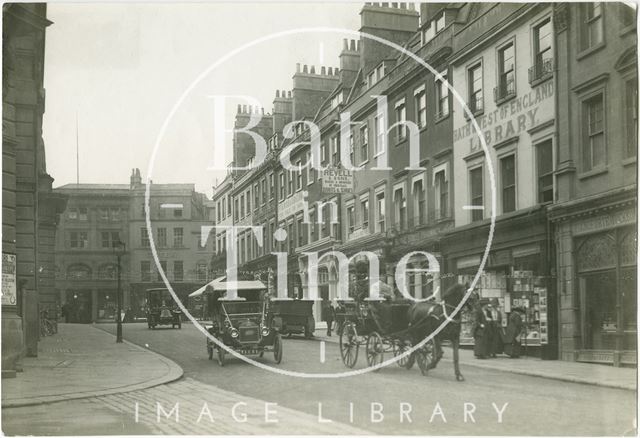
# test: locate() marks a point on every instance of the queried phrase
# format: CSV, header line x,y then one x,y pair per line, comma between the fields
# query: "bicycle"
x,y
47,327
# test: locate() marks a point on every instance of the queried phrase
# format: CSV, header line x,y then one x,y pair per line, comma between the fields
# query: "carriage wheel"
x,y
277,348
349,345
425,356
399,348
375,350
221,354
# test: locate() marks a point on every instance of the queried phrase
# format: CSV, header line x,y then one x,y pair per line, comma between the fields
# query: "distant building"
x,y
29,209
98,215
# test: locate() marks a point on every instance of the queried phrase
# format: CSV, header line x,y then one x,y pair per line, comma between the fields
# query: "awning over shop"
x,y
200,291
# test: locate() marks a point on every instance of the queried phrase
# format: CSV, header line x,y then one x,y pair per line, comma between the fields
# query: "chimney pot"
x,y
403,6
289,94
298,67
323,70
313,70
345,43
394,5
277,93
244,109
262,111
305,69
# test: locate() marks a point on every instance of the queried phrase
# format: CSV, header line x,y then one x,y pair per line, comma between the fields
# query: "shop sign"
x,y
510,119
468,262
335,180
8,279
291,205
625,217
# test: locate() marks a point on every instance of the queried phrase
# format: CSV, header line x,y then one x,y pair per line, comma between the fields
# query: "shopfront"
x,y
516,274
598,281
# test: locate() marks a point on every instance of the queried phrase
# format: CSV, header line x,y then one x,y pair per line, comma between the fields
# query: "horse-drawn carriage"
x,y
395,326
244,324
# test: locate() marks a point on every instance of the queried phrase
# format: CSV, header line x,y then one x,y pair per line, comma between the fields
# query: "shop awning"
x,y
200,291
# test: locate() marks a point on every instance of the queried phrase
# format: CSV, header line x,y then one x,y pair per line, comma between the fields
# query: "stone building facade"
x,y
29,208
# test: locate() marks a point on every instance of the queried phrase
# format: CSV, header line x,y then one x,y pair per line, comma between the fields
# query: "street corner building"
x,y
552,89
30,209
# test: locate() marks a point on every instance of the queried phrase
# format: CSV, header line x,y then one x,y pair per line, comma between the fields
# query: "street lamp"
x,y
119,248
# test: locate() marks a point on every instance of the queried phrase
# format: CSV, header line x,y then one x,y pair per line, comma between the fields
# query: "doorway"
x,y
78,306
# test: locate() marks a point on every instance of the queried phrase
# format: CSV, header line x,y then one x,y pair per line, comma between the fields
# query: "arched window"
x,y
79,272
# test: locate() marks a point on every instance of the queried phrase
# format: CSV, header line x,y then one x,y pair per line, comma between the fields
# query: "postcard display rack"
x,y
516,289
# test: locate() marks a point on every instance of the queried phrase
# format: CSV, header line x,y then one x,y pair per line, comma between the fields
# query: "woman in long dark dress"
x,y
481,331
512,335
495,324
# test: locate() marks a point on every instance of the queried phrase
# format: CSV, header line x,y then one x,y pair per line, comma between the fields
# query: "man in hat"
x,y
512,335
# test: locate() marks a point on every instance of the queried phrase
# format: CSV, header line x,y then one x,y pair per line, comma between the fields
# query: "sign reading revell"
x,y
336,180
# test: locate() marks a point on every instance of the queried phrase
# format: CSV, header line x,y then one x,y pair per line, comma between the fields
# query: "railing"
x,y
476,105
504,90
542,69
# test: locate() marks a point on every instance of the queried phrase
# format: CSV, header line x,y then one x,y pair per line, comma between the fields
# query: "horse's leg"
x,y
456,343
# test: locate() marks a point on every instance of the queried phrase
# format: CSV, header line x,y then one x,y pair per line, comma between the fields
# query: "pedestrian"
x,y
481,330
513,333
327,314
495,325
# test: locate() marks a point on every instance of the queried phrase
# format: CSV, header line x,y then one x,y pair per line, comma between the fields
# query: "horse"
x,y
425,317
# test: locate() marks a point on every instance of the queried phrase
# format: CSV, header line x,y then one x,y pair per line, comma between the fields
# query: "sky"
x,y
116,71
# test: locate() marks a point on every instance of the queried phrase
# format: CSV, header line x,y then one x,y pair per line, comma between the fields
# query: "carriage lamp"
x,y
234,333
265,331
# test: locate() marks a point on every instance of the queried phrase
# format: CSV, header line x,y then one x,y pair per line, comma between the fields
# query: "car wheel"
x,y
277,348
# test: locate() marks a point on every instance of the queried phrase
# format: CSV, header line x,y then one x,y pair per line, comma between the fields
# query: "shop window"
x,y
475,179
543,55
474,83
631,116
594,149
508,179
506,73
544,168
591,30
178,270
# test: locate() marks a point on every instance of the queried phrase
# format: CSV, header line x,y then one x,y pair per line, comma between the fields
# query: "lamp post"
x,y
119,248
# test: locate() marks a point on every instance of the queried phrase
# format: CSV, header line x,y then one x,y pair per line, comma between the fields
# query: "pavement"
x,y
575,372
79,362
